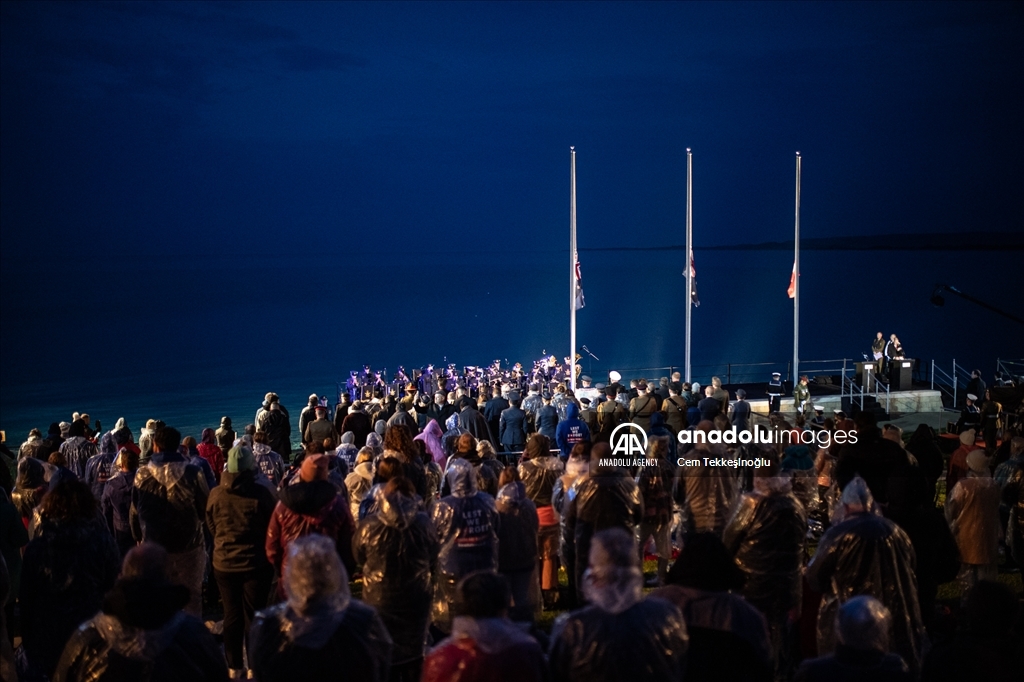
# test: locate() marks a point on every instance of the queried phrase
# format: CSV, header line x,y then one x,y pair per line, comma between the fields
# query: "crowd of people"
x,y
454,518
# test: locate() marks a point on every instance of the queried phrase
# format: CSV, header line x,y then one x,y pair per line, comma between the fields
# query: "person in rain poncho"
x,y
467,529
141,633
862,629
517,545
972,510
728,636
269,462
539,470
98,469
705,494
320,630
431,436
485,646
68,566
767,535
450,438
865,553
798,465
397,548
360,480
620,636
563,493
607,498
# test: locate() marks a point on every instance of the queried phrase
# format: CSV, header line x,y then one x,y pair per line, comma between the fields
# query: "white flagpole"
x,y
572,274
796,281
689,254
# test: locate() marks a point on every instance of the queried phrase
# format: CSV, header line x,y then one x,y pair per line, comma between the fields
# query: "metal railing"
x,y
745,372
875,389
1010,368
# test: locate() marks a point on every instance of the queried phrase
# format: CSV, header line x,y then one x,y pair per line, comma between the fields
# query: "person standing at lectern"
x,y
878,351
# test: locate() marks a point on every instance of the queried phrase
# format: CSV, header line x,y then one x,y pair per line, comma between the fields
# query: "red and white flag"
x,y
792,283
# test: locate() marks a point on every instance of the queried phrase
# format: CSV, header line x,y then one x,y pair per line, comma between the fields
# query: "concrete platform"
x,y
902,403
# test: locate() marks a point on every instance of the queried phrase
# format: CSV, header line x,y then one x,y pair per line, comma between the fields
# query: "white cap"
x,y
614,376
972,397
818,408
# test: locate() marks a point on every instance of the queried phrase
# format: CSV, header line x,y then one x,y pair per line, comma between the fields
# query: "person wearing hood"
x,y
347,449
320,632
358,422
485,646
53,439
141,633
655,486
450,438
116,502
34,446
431,438
467,530
607,497
359,482
312,505
620,635
68,566
238,514
562,493
972,511
211,452
168,507
275,423
539,470
517,545
705,494
863,553
77,449
98,469
798,465
225,434
146,439
270,463
728,635
512,425
570,431
767,536
862,629
375,443
29,488
397,549
190,452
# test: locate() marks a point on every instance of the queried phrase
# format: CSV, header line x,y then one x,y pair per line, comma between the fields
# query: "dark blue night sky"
x,y
184,183
185,129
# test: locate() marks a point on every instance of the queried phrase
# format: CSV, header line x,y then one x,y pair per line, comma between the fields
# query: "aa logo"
x,y
628,440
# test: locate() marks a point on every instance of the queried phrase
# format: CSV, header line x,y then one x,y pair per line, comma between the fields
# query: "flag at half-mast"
x,y
693,283
792,283
579,282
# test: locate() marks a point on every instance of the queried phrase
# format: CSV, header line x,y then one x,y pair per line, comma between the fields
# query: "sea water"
x,y
193,339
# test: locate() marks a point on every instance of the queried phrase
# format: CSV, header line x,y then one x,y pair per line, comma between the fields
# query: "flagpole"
x,y
572,274
796,281
689,254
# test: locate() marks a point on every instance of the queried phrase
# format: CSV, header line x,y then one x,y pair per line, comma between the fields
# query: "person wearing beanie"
x,y
238,515
972,510
958,460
